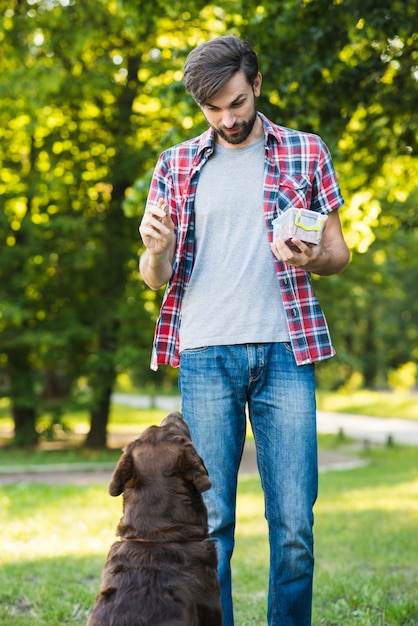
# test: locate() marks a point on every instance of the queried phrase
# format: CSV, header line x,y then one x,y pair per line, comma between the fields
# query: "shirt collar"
x,y
207,139
206,142
270,130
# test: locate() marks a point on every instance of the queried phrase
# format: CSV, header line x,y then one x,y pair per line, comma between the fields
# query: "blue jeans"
x,y
216,384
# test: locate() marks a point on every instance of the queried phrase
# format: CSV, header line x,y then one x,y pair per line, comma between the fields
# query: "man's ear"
x,y
257,85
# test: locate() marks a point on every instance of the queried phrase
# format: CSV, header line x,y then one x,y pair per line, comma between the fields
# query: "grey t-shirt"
x,y
233,296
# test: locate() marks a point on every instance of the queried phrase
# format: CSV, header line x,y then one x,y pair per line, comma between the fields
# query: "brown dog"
x,y
163,571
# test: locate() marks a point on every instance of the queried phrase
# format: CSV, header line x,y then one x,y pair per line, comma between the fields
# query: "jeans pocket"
x,y
287,346
187,351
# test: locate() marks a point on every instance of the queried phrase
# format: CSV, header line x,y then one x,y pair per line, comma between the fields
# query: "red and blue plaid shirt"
x,y
299,173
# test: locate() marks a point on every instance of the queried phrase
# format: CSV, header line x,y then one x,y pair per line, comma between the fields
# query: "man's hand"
x,y
157,232
328,257
294,251
157,228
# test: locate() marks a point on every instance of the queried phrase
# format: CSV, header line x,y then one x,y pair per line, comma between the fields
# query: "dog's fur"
x,y
168,575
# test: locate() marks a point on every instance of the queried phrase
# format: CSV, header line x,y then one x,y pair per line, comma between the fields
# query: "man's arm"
x,y
328,257
157,232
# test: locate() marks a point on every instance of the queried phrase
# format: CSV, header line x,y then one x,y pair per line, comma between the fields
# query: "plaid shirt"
x,y
298,172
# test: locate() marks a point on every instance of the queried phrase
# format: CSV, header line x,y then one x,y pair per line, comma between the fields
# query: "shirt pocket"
x,y
294,191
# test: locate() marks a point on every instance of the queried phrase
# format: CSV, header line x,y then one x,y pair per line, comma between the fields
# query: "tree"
x,y
348,71
70,163
80,120
90,93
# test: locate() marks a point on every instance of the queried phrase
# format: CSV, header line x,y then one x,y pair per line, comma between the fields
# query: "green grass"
x,y
367,542
55,538
68,447
123,418
373,403
132,421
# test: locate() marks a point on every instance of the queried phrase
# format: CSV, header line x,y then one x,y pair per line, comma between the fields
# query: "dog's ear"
x,y
191,467
123,472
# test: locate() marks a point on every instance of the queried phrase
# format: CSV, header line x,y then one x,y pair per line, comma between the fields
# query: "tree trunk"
x,y
22,397
24,421
99,418
369,359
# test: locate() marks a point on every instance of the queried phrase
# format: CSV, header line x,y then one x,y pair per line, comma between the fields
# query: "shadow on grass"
x,y
50,591
53,591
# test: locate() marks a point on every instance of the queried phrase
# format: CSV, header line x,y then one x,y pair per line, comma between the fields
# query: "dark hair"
x,y
212,64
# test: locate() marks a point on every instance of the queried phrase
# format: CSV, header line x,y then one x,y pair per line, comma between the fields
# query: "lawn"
x,y
376,404
54,541
55,538
131,421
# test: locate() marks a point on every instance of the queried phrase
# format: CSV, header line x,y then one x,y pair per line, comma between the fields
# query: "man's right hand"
x,y
157,228
157,233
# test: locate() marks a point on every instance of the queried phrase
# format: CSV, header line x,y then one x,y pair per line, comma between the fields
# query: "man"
x,y
239,316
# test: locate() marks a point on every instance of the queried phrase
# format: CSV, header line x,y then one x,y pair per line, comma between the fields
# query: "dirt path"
x,y
88,474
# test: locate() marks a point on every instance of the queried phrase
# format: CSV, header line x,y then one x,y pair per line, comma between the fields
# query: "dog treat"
x,y
300,224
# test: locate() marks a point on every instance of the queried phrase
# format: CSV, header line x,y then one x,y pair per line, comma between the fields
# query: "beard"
x,y
245,129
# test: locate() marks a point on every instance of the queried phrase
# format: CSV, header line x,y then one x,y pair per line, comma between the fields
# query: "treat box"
x,y
299,223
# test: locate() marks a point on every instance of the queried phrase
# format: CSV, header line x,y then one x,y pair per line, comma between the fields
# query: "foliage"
x,y
404,378
90,93
339,69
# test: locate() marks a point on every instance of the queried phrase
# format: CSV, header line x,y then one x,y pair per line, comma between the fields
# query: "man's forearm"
x,y
156,270
331,260
328,257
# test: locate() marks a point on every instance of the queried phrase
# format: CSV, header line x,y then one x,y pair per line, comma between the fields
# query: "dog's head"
x,y
160,451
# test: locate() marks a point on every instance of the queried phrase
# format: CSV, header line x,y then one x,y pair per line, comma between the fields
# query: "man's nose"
x,y
229,119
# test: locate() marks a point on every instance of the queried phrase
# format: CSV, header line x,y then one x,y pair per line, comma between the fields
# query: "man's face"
x,y
232,111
